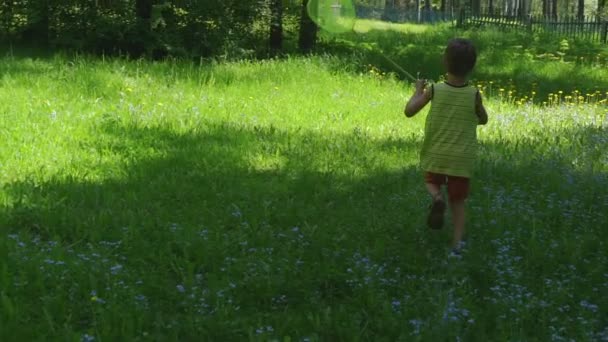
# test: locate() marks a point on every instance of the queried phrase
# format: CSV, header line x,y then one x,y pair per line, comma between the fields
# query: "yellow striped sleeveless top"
x,y
450,132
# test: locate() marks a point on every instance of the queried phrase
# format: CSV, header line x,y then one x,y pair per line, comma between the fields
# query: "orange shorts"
x,y
458,187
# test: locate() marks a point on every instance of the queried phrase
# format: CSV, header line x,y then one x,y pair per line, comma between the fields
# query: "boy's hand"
x,y
420,86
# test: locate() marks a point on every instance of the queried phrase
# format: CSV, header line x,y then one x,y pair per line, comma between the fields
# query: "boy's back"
x,y
450,137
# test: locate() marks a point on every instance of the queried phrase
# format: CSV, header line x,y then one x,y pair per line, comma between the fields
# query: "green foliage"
x,y
179,28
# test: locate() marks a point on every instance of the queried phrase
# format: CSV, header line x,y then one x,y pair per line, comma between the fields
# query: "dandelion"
x,y
96,299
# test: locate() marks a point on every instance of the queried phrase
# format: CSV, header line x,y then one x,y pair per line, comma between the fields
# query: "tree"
x,y
581,10
38,30
276,25
475,6
308,30
6,7
389,7
143,13
554,9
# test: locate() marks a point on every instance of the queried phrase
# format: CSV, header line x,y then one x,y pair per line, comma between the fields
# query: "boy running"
x,y
450,135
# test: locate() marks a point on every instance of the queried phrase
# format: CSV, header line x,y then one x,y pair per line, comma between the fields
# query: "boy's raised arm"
x,y
420,98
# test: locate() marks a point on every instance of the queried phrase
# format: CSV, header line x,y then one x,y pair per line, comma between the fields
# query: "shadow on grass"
x,y
206,176
249,188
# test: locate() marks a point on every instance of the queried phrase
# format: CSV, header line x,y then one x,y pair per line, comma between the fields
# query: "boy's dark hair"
x,y
460,57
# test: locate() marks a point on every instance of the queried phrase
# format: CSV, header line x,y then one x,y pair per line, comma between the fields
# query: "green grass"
x,y
282,200
519,61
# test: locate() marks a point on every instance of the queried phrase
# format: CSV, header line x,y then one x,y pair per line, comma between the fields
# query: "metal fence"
x,y
399,15
590,28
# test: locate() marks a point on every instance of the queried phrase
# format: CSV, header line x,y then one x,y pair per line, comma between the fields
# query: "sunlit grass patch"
x,y
367,25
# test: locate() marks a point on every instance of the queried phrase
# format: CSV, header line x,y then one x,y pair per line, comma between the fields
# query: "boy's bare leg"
x,y
458,216
433,189
436,214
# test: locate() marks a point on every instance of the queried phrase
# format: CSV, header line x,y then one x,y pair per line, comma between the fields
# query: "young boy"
x,y
450,135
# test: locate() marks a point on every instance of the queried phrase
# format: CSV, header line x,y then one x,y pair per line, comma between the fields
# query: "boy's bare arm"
x,y
420,99
480,111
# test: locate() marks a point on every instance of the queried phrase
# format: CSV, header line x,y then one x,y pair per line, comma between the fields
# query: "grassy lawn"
x,y
282,200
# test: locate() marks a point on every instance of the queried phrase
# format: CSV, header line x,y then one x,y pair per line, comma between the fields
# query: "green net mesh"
x,y
336,16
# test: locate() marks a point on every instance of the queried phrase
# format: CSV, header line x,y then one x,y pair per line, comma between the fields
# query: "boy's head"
x,y
460,57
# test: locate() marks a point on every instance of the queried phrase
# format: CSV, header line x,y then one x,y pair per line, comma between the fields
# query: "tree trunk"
x,y
143,9
521,4
308,31
581,10
388,10
491,6
276,26
554,9
143,13
7,18
38,31
508,7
